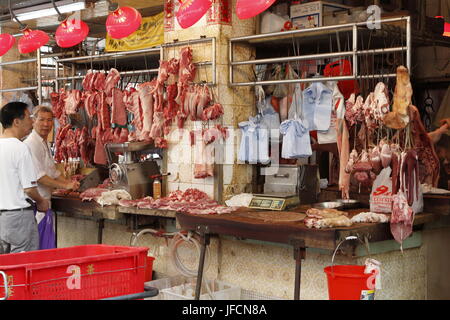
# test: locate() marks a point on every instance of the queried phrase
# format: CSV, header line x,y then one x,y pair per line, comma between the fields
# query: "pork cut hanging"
x,y
111,81
399,117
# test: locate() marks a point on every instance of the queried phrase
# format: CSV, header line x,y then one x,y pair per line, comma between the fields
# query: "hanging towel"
x,y
337,112
254,145
296,141
316,107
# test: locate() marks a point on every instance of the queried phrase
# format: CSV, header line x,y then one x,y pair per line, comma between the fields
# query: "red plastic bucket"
x,y
349,283
149,268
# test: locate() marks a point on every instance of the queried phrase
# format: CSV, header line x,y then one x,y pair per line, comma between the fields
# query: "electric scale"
x,y
274,201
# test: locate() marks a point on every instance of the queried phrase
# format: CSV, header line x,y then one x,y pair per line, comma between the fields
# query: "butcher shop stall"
x,y
271,150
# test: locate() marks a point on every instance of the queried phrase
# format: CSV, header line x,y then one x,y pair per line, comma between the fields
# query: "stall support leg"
x,y
299,255
205,240
56,229
101,225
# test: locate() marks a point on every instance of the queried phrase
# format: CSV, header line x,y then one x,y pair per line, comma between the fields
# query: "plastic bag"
x,y
342,68
23,97
381,195
46,232
271,22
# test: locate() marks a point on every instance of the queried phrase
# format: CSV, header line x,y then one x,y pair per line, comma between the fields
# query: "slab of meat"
x,y
192,201
99,81
92,194
334,222
172,108
399,117
203,100
212,112
173,66
83,142
88,81
157,126
402,217
72,101
90,103
186,74
147,103
429,165
59,146
118,109
103,114
158,90
409,176
100,152
133,105
111,81
370,217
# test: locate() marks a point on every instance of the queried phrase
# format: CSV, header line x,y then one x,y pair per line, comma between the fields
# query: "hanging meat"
x,y
111,81
118,109
158,90
409,176
429,165
72,101
186,74
147,103
402,218
399,117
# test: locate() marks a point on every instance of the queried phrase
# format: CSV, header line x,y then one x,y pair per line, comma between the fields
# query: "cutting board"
x,y
273,216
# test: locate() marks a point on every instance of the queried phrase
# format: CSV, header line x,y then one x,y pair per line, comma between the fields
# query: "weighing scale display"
x,y
272,202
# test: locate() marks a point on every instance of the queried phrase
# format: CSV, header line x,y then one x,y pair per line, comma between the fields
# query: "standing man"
x,y
18,227
48,177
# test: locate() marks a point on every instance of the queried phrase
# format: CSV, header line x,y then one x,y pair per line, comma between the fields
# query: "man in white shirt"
x,y
18,183
48,177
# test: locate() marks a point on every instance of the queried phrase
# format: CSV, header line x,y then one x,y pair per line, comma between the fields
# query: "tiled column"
x,y
221,23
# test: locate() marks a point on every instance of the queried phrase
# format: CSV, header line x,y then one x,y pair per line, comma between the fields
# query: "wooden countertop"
x,y
238,225
245,223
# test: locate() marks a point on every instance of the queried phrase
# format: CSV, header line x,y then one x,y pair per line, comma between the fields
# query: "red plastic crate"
x,y
104,271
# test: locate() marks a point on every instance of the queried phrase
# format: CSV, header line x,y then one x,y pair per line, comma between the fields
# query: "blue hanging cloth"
x,y
296,141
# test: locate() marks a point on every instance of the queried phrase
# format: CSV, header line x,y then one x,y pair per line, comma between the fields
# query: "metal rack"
x,y
355,53
156,52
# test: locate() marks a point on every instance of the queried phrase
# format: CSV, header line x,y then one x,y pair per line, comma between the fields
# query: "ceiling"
x,y
94,15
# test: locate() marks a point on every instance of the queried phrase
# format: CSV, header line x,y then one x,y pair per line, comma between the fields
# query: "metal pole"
x,y
317,29
187,42
230,62
57,76
39,76
317,56
292,81
8,63
115,54
408,44
355,49
213,60
18,89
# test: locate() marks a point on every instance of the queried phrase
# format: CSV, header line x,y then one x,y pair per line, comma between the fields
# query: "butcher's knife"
x,y
92,180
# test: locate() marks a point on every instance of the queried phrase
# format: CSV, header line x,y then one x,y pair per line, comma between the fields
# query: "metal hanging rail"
x,y
355,53
112,54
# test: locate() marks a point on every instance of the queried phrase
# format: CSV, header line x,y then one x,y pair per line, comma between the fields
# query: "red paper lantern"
x,y
246,9
6,43
123,22
71,32
191,11
32,40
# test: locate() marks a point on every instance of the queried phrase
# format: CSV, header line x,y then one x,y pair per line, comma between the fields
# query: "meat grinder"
x,y
131,164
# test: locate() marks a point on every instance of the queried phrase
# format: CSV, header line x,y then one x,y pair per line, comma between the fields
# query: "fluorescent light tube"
x,y
49,11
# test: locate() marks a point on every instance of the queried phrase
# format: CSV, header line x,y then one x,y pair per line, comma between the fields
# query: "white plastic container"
x,y
182,288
